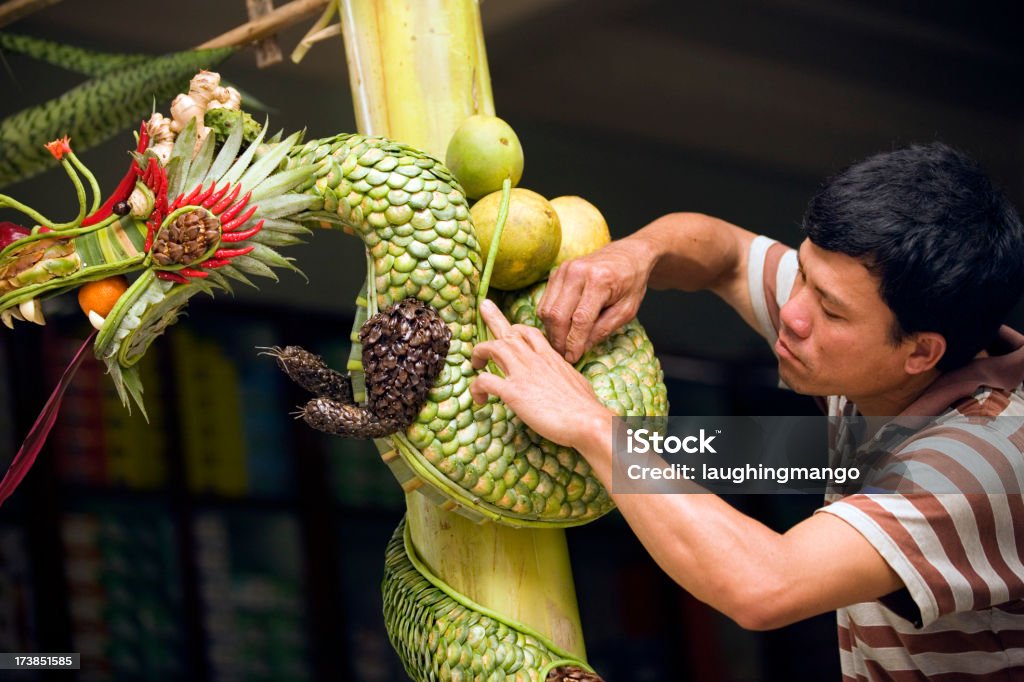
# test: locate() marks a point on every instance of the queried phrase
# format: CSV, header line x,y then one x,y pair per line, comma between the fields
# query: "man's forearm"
x,y
692,251
716,553
758,577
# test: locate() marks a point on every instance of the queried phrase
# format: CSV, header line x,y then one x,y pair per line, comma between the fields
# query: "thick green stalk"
x,y
418,68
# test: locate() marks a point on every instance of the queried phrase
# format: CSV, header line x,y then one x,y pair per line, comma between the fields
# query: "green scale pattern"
x,y
442,635
414,219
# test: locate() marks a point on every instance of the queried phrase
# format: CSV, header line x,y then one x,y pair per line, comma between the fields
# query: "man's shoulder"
x,y
976,446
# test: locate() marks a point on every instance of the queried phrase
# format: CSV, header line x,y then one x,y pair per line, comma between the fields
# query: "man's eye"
x,y
830,315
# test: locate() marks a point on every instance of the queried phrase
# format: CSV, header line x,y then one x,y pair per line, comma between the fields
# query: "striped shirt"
x,y
956,538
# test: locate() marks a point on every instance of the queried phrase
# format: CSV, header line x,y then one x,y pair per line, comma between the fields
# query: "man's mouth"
x,y
783,351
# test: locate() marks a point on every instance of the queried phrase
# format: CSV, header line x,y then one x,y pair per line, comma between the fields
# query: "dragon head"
x,y
178,224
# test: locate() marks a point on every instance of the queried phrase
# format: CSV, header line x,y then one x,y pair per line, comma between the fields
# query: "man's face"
x,y
834,336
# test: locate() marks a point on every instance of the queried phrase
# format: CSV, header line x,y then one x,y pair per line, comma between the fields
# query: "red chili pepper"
x,y
231,225
172,277
233,211
216,196
219,207
231,237
231,253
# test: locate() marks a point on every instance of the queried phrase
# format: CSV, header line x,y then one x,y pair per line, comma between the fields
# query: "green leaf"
x,y
182,150
285,205
235,274
254,267
287,226
243,161
267,163
272,238
282,182
217,279
201,163
228,152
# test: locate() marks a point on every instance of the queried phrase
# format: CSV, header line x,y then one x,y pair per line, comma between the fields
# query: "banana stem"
x,y
417,69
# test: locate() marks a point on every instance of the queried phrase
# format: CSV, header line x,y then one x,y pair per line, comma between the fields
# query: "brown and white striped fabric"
x,y
956,540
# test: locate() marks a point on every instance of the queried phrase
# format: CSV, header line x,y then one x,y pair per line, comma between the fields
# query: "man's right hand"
x,y
590,297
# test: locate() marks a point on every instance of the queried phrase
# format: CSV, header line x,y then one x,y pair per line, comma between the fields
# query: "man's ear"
x,y
926,351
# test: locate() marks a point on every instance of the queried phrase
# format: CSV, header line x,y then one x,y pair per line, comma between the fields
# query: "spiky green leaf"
x,y
228,152
243,161
253,266
285,205
281,182
184,145
267,163
200,164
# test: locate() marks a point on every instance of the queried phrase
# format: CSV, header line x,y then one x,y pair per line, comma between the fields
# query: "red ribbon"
x,y
37,435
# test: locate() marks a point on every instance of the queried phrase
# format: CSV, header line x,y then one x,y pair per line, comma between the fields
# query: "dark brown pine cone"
x,y
568,673
186,239
404,350
311,373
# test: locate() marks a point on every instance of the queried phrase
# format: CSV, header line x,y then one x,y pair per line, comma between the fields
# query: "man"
x,y
891,306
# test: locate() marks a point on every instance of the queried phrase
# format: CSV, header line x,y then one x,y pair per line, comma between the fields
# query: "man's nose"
x,y
795,315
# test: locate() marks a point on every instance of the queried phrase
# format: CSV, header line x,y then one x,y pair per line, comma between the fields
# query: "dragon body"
x,y
211,216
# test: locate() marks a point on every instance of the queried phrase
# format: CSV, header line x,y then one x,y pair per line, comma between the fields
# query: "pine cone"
x,y
568,673
187,239
404,349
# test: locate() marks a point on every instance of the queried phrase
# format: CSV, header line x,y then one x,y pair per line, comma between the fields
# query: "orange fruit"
x,y
102,294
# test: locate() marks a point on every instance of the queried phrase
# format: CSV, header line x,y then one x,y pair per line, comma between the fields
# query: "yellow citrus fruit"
x,y
483,151
584,229
102,294
529,242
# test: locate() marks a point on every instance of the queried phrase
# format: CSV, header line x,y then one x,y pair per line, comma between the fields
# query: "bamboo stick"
x,y
266,25
12,10
268,50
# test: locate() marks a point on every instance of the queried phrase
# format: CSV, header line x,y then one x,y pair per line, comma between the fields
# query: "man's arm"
x,y
590,297
759,578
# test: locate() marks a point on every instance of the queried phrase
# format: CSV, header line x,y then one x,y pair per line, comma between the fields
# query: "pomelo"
x,y
483,151
584,229
529,242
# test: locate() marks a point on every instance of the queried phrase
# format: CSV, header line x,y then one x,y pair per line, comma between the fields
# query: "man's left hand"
x,y
544,390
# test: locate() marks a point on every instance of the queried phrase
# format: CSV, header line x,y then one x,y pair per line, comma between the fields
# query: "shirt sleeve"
x,y
954,552
771,270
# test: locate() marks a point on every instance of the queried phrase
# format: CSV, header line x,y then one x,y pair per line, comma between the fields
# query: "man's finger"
x,y
488,351
560,311
496,322
484,385
610,320
551,292
582,320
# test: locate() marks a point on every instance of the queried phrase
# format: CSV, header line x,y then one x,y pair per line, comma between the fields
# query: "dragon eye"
x,y
121,208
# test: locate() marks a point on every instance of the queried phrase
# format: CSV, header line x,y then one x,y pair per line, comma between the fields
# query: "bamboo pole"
x,y
418,68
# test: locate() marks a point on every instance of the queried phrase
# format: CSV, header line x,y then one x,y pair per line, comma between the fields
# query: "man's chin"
x,y
794,381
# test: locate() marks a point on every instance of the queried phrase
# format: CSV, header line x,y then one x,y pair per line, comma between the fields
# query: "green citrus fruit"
x,y
483,151
584,229
529,242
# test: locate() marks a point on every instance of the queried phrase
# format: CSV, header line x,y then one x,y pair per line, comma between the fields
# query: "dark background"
x,y
172,552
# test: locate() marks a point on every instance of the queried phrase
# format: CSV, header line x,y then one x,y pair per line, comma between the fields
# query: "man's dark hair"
x,y
945,243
